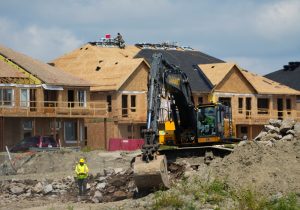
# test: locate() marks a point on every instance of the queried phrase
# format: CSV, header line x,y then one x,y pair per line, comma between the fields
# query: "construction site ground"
x,y
45,180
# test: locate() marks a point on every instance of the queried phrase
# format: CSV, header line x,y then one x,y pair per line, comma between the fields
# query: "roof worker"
x,y
81,171
120,41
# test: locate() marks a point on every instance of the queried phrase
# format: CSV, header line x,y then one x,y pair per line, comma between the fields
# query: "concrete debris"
x,y
278,130
47,189
116,186
286,125
17,190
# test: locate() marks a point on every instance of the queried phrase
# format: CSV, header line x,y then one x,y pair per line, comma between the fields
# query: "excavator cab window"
x,y
206,121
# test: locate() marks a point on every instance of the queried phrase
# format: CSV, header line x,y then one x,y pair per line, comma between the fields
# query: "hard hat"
x,y
81,160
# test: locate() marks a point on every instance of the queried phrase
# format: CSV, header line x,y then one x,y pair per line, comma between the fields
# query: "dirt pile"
x,y
269,164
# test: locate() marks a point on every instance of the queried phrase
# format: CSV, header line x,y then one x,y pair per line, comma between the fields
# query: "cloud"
x,y
36,41
279,20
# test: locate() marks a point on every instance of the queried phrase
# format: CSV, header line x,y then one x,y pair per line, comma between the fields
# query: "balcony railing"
x,y
262,116
53,108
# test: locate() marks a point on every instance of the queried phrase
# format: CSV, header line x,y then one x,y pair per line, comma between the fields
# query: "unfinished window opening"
x,y
71,98
27,125
280,108
248,108
130,128
200,100
262,105
116,63
225,101
6,97
100,61
124,105
288,106
108,101
32,95
86,48
133,103
244,130
297,99
240,105
50,98
98,68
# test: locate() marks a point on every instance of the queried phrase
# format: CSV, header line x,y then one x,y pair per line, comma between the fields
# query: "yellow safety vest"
x,y
81,171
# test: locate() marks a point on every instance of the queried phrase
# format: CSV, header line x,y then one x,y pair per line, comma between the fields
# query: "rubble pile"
x,y
278,130
115,184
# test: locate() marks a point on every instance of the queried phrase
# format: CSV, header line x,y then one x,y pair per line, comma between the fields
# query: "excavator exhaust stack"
x,y
151,175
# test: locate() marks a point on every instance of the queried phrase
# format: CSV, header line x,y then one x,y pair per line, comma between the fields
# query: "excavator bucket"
x,y
151,175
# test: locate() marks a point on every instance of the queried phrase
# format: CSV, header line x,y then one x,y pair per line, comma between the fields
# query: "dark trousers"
x,y
82,186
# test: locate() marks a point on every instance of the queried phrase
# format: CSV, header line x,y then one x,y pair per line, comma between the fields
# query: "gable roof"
x,y
216,73
7,70
288,77
107,68
186,61
48,74
264,85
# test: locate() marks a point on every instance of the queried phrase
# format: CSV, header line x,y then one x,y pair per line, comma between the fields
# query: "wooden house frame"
x,y
253,99
38,99
118,80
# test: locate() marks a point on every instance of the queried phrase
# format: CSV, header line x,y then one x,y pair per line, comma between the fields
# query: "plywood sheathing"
x,y
48,74
106,68
267,86
7,70
218,72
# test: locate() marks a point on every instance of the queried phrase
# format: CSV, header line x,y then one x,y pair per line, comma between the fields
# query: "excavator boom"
x,y
163,77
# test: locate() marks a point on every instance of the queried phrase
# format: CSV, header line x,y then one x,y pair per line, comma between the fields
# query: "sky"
x,y
259,35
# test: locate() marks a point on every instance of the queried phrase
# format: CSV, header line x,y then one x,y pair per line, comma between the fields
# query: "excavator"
x,y
187,126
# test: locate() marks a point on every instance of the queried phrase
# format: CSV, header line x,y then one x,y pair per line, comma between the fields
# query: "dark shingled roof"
x,y
187,61
288,77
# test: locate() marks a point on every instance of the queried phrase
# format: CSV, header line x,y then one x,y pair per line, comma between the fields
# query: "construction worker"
x,y
81,171
120,41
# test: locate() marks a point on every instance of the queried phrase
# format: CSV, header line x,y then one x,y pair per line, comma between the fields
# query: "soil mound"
x,y
268,168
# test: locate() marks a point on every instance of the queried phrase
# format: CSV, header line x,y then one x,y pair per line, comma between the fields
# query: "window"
x,y
200,100
70,130
6,97
82,98
71,98
288,106
262,105
108,100
298,99
50,98
133,103
124,106
240,105
225,101
24,98
244,130
27,124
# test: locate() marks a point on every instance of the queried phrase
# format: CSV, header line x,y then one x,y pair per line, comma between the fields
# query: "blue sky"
x,y
259,35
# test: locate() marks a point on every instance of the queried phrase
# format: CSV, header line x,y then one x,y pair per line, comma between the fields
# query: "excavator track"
x,y
154,174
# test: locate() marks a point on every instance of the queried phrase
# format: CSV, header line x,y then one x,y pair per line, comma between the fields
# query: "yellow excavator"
x,y
188,125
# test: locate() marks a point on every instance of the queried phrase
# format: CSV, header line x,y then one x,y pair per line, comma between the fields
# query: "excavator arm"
x,y
164,80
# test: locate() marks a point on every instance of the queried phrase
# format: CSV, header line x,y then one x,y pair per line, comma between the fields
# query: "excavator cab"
x,y
214,124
